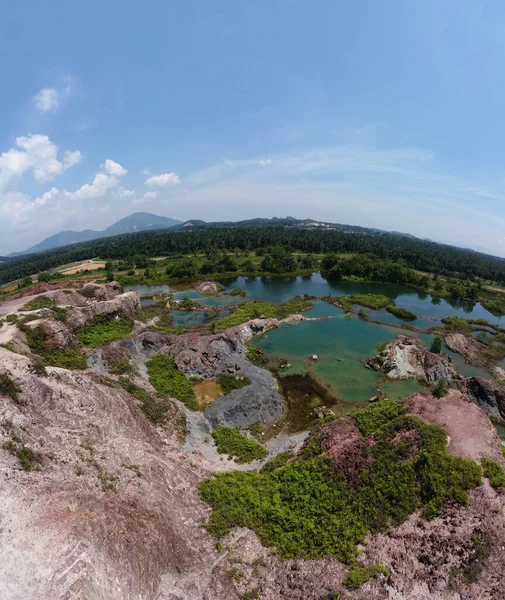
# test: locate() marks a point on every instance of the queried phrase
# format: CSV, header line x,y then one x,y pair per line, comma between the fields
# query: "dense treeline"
x,y
418,254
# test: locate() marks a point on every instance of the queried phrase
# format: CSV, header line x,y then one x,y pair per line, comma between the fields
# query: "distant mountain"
x,y
141,221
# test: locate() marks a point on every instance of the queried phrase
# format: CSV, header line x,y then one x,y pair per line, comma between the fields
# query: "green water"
x,y
342,343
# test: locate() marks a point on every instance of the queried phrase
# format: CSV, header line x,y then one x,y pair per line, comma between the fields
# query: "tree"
x,y
440,389
436,346
110,276
249,266
25,282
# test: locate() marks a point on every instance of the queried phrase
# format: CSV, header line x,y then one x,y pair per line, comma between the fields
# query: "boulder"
x,y
256,326
407,358
207,287
489,395
108,291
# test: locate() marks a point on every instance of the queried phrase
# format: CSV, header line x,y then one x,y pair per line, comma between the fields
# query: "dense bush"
x,y
230,382
230,441
168,381
494,472
436,345
306,510
103,330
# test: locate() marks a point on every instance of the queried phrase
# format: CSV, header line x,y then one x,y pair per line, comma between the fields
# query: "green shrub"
x,y
458,325
8,387
279,461
440,389
122,366
229,382
237,292
306,510
89,291
436,345
11,318
494,472
376,414
103,330
360,575
28,458
168,381
401,313
38,303
230,441
154,410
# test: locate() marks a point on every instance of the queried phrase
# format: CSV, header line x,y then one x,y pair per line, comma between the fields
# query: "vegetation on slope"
x,y
169,382
103,330
153,409
66,358
494,472
306,509
374,301
360,575
230,441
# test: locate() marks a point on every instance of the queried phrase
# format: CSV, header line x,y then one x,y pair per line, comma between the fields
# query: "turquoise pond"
x,y
342,342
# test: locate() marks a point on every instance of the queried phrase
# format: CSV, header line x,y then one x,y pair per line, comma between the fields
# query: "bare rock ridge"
x,y
407,358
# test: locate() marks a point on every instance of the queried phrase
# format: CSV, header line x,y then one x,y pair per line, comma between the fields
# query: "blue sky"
x,y
383,114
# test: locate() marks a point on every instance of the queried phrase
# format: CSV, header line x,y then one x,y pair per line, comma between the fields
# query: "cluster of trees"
x,y
371,268
417,254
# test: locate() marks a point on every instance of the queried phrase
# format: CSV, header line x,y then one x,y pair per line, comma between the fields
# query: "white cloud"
x,y
36,152
114,169
148,196
102,183
265,162
47,100
123,193
163,180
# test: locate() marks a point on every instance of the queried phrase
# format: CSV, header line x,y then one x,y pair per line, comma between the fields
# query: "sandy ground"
x,y
87,264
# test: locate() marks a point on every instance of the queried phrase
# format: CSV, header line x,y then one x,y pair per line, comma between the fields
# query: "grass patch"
x,y
252,310
152,408
306,510
103,330
360,575
38,303
401,313
168,381
373,301
494,472
230,382
230,441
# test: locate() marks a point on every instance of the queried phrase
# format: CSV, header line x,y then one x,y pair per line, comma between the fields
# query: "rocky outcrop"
x,y
489,395
207,287
108,291
56,333
207,356
124,305
255,327
470,349
408,358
